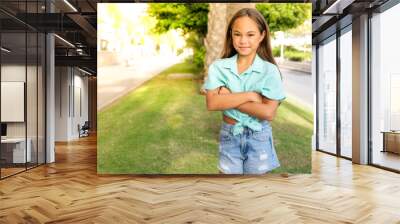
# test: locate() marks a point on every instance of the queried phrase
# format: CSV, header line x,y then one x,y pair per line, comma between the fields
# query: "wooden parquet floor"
x,y
70,191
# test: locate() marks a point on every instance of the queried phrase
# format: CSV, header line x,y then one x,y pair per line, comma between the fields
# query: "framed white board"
x,y
12,101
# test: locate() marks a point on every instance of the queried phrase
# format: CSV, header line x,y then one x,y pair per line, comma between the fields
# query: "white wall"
x,y
70,84
62,81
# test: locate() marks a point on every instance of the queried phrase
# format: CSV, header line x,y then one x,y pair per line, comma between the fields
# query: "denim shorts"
x,y
251,152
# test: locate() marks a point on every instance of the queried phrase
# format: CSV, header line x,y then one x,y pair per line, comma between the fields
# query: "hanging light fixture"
x,y
5,50
70,5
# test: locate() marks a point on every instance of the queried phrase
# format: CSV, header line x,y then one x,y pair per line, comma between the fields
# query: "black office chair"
x,y
84,130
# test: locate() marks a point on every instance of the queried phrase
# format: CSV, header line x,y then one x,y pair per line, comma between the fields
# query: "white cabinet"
x,y
18,152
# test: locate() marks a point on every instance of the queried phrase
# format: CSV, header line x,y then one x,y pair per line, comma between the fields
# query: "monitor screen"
x,y
3,129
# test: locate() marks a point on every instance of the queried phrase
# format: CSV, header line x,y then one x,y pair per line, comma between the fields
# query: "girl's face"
x,y
246,36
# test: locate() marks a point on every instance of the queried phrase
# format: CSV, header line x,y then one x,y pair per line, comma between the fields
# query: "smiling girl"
x,y
246,85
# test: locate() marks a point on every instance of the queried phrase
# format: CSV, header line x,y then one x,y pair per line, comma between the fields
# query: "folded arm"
x,y
218,100
264,110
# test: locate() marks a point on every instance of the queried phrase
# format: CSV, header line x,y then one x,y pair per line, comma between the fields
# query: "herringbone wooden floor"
x,y
70,191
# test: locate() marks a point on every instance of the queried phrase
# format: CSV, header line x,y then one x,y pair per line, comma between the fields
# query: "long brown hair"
x,y
264,49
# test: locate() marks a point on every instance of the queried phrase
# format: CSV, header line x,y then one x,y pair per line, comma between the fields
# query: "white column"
x,y
50,93
50,110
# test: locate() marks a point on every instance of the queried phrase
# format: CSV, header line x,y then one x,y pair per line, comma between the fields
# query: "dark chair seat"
x,y
84,130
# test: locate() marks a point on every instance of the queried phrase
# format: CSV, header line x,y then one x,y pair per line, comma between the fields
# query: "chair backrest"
x,y
86,125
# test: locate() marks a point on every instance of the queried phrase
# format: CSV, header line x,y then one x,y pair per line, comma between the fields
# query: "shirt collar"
x,y
231,64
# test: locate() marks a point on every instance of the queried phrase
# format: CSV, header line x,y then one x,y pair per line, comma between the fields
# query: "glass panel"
x,y
23,82
346,94
32,109
41,99
386,89
13,87
32,70
327,97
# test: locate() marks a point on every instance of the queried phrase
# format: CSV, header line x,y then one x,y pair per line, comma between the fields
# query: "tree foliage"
x,y
284,16
191,18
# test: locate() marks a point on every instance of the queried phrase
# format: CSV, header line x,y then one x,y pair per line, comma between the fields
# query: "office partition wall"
x,y
327,95
334,98
385,89
22,64
346,92
13,74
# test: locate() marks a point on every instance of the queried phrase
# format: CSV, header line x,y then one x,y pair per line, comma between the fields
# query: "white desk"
x,y
19,149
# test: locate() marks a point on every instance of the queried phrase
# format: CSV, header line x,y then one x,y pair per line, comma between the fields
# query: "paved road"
x,y
298,86
116,81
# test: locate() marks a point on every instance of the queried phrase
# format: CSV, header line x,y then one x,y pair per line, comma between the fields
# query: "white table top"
x,y
13,140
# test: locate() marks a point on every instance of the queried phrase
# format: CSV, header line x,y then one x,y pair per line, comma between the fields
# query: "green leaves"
x,y
284,16
189,17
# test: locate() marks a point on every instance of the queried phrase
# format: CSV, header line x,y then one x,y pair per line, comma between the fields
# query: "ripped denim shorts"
x,y
251,152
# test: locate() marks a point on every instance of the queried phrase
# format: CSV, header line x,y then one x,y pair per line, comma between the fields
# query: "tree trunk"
x,y
216,29
218,18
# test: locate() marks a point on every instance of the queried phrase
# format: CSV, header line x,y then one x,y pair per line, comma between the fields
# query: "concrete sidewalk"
x,y
116,81
297,86
296,66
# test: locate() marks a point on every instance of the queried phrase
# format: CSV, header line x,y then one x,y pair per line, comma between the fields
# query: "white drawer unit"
x,y
18,146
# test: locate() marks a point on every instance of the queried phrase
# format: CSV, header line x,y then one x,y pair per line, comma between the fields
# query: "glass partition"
x,y
22,64
14,152
41,85
346,93
31,100
385,84
327,96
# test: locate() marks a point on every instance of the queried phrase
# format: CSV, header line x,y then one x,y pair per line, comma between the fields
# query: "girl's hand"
x,y
223,90
253,96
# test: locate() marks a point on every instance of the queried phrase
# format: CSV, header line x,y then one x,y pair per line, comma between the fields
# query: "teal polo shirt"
x,y
262,77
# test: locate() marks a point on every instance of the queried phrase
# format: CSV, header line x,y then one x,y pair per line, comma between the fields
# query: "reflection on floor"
x,y
10,169
386,159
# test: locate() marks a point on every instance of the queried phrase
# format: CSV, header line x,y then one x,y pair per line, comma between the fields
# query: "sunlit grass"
x,y
164,127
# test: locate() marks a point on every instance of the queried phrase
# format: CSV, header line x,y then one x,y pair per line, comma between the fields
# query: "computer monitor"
x,y
3,129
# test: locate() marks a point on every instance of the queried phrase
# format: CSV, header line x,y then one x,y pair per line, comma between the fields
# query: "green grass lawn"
x,y
163,127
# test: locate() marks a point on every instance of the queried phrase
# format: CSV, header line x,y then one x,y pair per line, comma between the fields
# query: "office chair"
x,y
84,130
